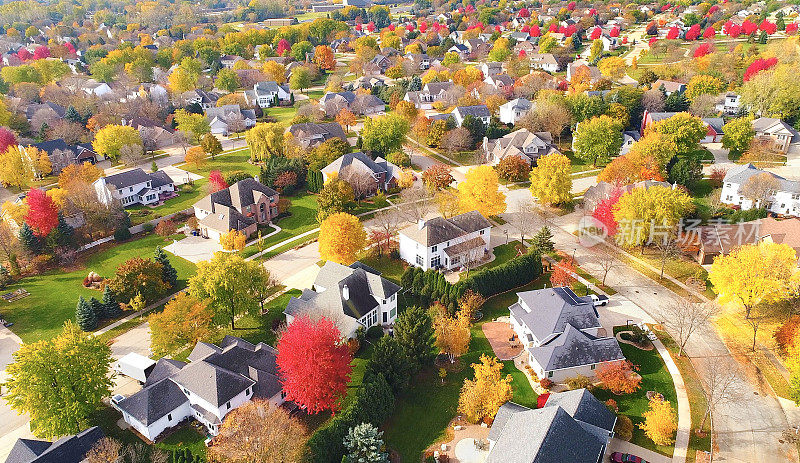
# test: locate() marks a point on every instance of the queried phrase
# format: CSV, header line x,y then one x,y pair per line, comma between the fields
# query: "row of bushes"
x,y
184,456
431,285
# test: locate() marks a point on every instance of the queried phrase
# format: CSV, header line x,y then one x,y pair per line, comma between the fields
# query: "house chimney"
x,y
421,224
345,293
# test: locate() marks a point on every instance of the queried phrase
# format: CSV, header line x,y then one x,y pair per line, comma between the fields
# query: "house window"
x,y
549,374
229,405
436,262
393,296
420,261
393,312
796,196
482,231
169,417
593,367
433,248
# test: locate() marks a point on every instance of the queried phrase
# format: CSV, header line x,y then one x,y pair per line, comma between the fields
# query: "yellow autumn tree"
x,y
660,422
111,138
646,215
482,397
341,238
16,168
184,321
275,71
550,179
452,335
43,165
195,156
480,191
58,196
234,240
754,274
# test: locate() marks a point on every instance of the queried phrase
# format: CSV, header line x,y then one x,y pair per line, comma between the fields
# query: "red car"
x,y
619,457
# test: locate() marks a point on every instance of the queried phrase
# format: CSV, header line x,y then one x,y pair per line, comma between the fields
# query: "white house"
x,y
220,117
561,333
480,111
430,94
446,243
514,110
351,296
729,104
783,199
134,187
629,137
778,133
544,61
217,380
264,94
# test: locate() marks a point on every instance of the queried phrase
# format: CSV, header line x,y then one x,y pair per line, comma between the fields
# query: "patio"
x,y
461,448
504,341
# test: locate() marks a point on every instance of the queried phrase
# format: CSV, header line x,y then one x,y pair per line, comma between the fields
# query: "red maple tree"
x,y
216,181
283,47
41,52
314,364
7,138
604,212
619,377
42,214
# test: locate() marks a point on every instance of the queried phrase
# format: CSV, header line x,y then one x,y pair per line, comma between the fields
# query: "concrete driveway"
x,y
194,248
180,176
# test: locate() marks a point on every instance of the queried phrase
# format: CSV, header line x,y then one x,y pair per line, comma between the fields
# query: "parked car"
x,y
619,457
599,300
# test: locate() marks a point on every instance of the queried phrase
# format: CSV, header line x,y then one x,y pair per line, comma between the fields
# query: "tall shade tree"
x,y
314,364
550,179
452,335
184,321
738,133
683,129
660,422
16,168
383,134
480,191
754,274
60,382
413,329
108,140
211,145
341,238
643,215
598,139
228,284
300,78
265,140
227,80
196,125
704,84
139,277
42,214
482,397
259,432
323,57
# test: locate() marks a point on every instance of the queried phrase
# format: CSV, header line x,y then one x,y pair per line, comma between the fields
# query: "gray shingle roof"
x,y
574,348
153,402
213,384
741,174
128,178
69,449
479,110
440,230
583,406
549,310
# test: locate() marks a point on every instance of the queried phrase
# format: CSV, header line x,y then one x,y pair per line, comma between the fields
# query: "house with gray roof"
x,y
268,93
134,187
544,61
572,426
310,134
777,133
242,206
480,111
528,146
350,296
449,244
354,168
62,154
782,198
221,117
515,110
561,333
430,94
69,449
216,380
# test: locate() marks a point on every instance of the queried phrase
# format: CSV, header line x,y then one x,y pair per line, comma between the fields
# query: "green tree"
x,y
211,144
364,444
703,84
111,307
391,360
300,78
686,172
85,315
645,214
543,240
336,196
684,130
229,284
301,49
108,140
196,125
413,330
598,139
60,382
170,275
384,134
227,80
266,141
738,133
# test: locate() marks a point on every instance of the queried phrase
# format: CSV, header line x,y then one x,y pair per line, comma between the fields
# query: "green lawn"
x,y
302,218
391,269
422,414
55,293
655,377
188,195
226,163
502,254
282,114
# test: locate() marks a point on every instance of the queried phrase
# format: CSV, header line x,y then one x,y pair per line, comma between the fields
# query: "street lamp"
x,y
506,232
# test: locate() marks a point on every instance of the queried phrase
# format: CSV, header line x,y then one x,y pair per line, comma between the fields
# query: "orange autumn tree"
x,y
195,156
323,57
619,377
341,238
184,321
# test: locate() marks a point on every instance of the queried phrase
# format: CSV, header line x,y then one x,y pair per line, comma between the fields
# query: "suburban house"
x,y
61,154
572,426
610,43
670,87
430,94
491,68
420,60
220,117
351,165
784,199
332,103
561,333
367,83
351,296
576,67
149,129
134,187
242,206
68,449
527,145
544,61
514,110
310,134
461,50
775,131
216,380
480,111
269,93
446,243
381,63
713,125
206,100
604,190
44,112
499,81
729,104
629,137
704,243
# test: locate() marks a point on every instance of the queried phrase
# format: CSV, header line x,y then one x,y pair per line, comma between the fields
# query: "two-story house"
x,y
420,60
310,134
544,62
527,145
352,166
515,110
561,333
350,296
480,111
779,134
242,206
782,198
729,104
215,381
134,187
220,119
430,94
446,243
268,93
61,154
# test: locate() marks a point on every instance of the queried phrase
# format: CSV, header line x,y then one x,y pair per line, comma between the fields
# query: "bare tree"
x,y
235,124
704,105
131,155
720,386
683,317
653,101
606,261
415,203
458,139
759,188
472,257
106,450
149,142
182,139
363,183
525,219
667,248
388,222
447,202
138,452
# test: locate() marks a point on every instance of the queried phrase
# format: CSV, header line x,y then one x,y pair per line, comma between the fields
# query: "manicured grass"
x,y
422,414
226,163
187,437
681,268
302,218
55,293
502,254
391,269
282,114
188,195
655,377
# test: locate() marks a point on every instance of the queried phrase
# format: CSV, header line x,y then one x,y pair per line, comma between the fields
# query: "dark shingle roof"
x,y
551,309
583,406
214,385
574,348
70,449
153,402
440,230
164,368
128,178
